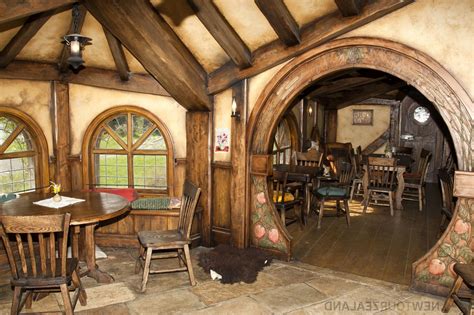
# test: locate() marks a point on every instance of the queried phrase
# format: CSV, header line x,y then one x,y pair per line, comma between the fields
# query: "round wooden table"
x,y
97,207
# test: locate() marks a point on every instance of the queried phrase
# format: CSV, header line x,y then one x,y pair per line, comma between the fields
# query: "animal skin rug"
x,y
234,264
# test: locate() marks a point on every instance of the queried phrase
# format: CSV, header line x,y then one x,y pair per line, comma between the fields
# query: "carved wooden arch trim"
x,y
415,67
40,143
93,127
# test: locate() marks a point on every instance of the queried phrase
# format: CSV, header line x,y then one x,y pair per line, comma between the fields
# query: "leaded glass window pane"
x,y
119,125
21,143
7,126
149,171
106,141
111,170
17,175
154,141
139,126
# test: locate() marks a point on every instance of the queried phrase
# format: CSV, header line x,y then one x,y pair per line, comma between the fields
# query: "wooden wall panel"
x,y
221,204
76,172
179,176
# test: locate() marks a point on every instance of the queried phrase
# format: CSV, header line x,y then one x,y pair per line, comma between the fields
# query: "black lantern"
x,y
75,41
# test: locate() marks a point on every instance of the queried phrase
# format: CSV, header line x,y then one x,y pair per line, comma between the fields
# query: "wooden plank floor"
x,y
376,245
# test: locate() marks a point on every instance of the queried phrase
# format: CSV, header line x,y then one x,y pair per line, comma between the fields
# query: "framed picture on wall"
x,y
362,116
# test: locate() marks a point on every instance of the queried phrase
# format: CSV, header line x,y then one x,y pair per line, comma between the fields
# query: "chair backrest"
x,y
33,252
446,183
310,158
422,160
280,181
344,172
381,172
189,202
426,164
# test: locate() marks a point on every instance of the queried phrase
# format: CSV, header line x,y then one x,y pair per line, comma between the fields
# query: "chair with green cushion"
x,y
338,192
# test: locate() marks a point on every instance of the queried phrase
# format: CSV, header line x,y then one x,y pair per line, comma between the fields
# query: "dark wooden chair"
x,y
37,264
285,201
310,158
381,181
357,182
446,183
337,191
170,243
465,274
415,184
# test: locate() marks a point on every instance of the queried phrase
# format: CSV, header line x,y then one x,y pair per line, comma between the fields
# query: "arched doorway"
x,y
412,66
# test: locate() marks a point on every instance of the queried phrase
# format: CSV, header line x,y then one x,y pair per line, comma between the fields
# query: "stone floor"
x,y
281,288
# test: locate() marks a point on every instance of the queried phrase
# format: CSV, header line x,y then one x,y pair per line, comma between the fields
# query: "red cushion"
x,y
128,193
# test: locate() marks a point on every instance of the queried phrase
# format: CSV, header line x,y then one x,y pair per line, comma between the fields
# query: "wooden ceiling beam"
x,y
11,10
222,32
313,35
281,20
119,56
108,79
350,7
343,84
26,32
63,65
152,41
365,92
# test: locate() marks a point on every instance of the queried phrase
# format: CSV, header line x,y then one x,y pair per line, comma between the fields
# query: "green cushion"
x,y
330,191
151,204
6,197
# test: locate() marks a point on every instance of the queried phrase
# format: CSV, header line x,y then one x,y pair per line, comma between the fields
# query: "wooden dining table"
x,y
306,175
96,207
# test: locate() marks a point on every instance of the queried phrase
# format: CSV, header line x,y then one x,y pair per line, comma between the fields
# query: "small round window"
x,y
421,114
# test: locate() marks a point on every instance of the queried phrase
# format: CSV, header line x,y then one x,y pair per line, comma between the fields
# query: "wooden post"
x,y
62,134
331,125
238,186
198,168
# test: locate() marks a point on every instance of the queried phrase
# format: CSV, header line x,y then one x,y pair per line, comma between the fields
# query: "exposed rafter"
x,y
350,7
281,20
223,33
63,65
26,70
119,56
345,99
343,84
147,36
316,33
26,32
11,10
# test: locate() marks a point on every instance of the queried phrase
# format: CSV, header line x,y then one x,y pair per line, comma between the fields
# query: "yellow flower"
x,y
56,188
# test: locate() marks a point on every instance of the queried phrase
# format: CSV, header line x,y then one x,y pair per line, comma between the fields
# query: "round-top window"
x,y
421,114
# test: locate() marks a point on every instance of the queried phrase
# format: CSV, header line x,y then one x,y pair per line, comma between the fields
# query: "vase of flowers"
x,y
56,189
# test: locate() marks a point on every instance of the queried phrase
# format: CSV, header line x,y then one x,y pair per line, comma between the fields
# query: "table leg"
x,y
308,202
400,188
89,249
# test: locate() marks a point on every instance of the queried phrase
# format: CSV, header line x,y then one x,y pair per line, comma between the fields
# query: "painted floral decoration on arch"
x,y
456,249
264,231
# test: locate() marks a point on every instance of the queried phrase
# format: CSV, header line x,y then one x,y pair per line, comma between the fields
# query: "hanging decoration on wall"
x,y
222,140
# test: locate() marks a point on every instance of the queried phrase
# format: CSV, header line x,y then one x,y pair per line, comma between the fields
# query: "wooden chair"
x,y
420,164
284,201
36,264
415,185
166,242
381,181
337,192
446,183
310,158
357,182
465,274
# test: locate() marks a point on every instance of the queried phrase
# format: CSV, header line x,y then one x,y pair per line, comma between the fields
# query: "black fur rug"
x,y
234,264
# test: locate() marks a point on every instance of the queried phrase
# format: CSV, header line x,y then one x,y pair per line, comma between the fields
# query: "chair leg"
x,y
138,264
367,200
66,299
78,284
16,301
146,269
180,257
390,198
454,290
348,216
352,191
420,198
321,211
189,265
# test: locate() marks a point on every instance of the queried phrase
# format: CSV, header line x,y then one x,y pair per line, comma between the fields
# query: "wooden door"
x,y
424,123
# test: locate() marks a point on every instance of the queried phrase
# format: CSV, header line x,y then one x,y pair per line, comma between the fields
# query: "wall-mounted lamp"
x,y
75,41
310,110
235,113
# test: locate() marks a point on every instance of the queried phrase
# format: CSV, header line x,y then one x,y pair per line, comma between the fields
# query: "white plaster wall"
x,y
443,29
222,119
88,102
33,98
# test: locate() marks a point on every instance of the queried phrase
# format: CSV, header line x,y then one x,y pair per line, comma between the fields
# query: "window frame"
x,y
100,123
39,144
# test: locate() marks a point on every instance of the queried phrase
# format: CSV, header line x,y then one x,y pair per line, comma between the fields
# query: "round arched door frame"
x,y
92,130
408,64
40,143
